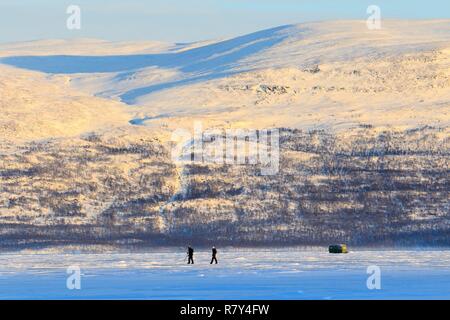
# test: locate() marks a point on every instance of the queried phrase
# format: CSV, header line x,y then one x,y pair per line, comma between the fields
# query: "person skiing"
x,y
214,253
190,253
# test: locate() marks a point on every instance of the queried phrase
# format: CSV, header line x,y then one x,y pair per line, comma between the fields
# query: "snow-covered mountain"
x,y
364,118
403,69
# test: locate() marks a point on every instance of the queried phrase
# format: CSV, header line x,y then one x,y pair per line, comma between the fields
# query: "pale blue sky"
x,y
189,20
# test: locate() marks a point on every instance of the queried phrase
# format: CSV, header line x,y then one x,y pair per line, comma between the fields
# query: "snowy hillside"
x,y
357,69
364,118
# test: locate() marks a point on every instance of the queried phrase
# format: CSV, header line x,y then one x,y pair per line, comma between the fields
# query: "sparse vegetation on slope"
x,y
362,188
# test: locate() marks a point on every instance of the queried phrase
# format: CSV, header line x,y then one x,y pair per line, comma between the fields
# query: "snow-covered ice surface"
x,y
289,273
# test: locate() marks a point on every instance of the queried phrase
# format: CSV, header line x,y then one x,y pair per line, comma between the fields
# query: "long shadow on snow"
x,y
204,63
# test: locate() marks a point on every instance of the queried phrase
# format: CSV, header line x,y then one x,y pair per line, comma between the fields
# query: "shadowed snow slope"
x,y
402,68
216,58
296,45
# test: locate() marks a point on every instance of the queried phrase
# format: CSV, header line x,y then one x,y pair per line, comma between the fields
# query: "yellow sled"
x,y
338,248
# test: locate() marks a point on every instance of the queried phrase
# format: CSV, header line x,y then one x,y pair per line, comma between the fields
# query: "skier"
x,y
190,253
214,253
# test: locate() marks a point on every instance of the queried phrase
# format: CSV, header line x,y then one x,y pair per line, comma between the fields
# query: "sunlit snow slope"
x,y
328,74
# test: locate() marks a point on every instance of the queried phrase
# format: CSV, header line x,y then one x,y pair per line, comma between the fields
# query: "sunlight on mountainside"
x,y
363,116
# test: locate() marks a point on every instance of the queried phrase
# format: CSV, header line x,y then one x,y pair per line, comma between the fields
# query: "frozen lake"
x,y
290,273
